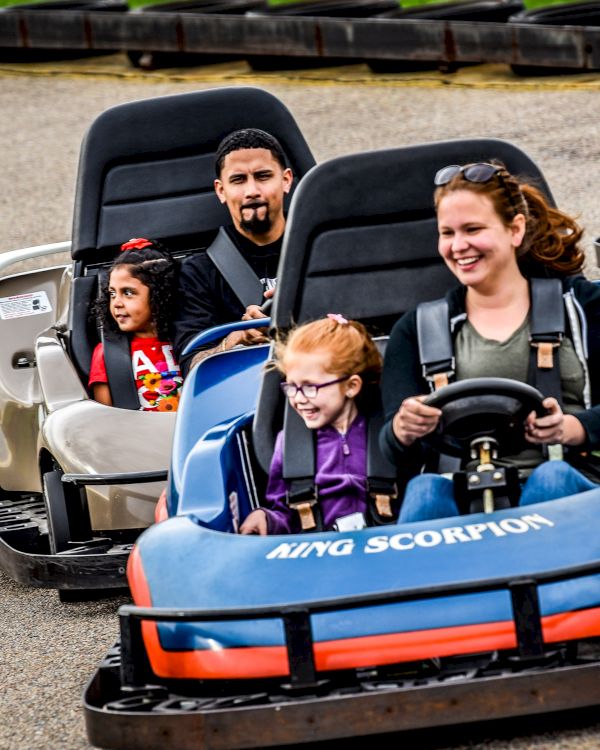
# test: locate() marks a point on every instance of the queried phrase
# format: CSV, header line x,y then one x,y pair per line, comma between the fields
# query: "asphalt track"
x,y
48,649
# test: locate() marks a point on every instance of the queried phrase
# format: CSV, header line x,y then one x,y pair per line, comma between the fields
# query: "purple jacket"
x,y
341,478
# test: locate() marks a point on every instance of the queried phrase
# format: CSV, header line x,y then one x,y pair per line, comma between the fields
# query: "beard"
x,y
255,225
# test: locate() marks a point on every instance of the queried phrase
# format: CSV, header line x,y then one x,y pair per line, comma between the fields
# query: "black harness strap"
x,y
299,470
117,359
382,487
436,348
235,269
117,362
547,330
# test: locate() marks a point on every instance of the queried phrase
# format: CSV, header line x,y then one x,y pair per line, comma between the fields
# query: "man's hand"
x,y
250,336
247,338
255,523
414,420
255,311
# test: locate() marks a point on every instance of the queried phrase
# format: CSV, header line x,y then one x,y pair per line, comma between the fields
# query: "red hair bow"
x,y
136,244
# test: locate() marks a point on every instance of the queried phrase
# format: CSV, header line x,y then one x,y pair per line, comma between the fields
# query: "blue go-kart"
x,y
237,642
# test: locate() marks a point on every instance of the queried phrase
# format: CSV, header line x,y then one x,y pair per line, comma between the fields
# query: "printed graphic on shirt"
x,y
157,377
268,284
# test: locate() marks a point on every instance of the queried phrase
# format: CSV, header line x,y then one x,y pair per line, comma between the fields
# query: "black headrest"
x,y
361,237
147,168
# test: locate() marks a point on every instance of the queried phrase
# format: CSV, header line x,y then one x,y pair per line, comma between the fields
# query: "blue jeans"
x,y
431,496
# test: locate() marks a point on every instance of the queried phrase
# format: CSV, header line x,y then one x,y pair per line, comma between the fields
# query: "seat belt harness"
x,y
547,330
235,269
436,348
382,487
299,470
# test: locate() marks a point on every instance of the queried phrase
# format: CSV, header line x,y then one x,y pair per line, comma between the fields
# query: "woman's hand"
x,y
554,427
255,523
414,420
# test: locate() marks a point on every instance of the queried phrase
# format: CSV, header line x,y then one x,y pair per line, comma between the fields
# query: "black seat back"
x,y
361,240
146,169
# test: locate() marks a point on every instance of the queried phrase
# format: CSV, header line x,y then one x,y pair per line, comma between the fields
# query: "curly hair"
x,y
248,138
351,350
156,269
551,242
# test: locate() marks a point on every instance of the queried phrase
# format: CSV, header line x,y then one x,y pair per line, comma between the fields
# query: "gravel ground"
x,y
50,649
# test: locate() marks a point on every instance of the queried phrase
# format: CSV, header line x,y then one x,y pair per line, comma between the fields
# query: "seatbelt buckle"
x,y
351,522
554,451
382,494
545,352
303,501
439,374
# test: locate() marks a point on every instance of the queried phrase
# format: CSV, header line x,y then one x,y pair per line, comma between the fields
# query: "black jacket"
x,y
206,299
402,374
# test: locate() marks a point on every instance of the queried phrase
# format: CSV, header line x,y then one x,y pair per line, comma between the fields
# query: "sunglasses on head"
x,y
479,172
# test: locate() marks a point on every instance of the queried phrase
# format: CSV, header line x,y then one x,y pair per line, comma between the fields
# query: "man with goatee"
x,y
238,272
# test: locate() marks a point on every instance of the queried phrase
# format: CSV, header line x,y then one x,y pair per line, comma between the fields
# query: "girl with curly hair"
x,y
137,300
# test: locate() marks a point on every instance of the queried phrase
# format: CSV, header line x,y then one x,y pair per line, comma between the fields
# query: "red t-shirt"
x,y
157,375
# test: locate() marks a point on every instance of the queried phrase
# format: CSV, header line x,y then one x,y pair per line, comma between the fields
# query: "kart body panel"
x,y
223,387
28,305
225,572
109,449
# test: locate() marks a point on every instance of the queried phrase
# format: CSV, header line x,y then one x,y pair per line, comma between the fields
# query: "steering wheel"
x,y
483,407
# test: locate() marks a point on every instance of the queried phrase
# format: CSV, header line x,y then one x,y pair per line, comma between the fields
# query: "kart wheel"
x,y
482,407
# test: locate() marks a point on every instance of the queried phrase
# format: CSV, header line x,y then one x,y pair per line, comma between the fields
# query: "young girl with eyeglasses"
x,y
330,367
137,299
495,234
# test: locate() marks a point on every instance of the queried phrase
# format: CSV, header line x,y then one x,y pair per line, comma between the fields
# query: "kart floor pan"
x,y
158,720
25,557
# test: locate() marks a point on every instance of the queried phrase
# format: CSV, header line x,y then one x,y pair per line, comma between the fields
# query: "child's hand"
x,y
414,420
255,523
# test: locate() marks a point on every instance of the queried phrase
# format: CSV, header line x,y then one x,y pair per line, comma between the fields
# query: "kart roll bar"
x,y
136,670
37,251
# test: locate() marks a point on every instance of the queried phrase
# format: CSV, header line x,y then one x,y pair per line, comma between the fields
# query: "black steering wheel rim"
x,y
477,407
